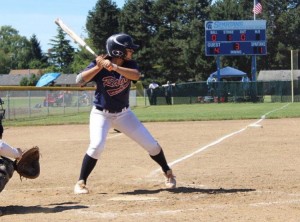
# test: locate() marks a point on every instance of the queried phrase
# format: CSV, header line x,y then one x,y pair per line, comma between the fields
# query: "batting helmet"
x,y
117,44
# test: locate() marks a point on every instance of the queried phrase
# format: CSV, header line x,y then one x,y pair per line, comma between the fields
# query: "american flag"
x,y
257,9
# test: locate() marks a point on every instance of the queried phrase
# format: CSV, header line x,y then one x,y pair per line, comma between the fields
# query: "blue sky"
x,y
37,16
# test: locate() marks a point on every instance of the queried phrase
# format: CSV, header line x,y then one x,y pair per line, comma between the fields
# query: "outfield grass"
x,y
195,112
213,111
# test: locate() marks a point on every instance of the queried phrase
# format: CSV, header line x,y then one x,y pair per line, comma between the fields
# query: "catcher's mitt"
x,y
28,165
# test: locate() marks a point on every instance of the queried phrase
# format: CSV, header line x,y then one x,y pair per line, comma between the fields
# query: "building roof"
x,y
15,79
278,75
12,80
66,79
26,71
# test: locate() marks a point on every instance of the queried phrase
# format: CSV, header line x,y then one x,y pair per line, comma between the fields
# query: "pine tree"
x,y
102,22
36,51
61,54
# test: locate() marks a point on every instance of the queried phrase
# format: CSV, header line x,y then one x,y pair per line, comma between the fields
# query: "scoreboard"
x,y
235,38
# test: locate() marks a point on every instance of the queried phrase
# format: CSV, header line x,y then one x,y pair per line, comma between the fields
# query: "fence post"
x,y
292,76
78,101
47,101
63,102
145,93
29,103
8,104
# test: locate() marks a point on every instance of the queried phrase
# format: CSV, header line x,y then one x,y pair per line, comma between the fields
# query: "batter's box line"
x,y
201,149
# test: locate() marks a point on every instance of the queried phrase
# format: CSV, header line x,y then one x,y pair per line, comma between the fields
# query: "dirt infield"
x,y
226,171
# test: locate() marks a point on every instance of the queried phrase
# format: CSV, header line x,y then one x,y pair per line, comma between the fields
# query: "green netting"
x,y
201,92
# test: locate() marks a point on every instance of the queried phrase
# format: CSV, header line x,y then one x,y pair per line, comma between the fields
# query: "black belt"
x,y
112,111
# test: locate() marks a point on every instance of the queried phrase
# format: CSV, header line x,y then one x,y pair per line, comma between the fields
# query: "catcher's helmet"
x,y
117,44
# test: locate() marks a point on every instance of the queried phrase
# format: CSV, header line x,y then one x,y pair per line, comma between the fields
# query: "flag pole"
x,y
254,56
254,15
253,66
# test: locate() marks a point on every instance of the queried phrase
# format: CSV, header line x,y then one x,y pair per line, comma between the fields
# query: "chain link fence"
x,y
24,102
35,102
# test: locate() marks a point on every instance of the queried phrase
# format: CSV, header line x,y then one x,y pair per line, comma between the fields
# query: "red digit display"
x,y
217,50
258,50
243,37
213,38
236,46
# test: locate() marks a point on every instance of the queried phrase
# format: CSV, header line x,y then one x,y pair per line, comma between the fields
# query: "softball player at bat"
x,y
113,75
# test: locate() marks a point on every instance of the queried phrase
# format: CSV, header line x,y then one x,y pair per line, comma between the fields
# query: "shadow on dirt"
x,y
190,190
52,208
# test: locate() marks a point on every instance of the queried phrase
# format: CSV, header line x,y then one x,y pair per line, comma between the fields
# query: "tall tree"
x,y
194,14
179,38
102,22
285,34
136,20
61,54
36,51
5,62
16,49
38,59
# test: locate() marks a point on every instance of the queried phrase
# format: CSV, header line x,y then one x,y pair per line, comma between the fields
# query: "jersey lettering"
x,y
117,85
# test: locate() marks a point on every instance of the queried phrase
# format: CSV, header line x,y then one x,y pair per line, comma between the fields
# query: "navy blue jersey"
x,y
113,89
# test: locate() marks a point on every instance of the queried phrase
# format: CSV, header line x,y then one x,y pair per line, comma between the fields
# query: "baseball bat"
x,y
74,36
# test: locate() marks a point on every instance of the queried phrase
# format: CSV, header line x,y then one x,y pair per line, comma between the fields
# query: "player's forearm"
x,y
132,74
87,75
8,151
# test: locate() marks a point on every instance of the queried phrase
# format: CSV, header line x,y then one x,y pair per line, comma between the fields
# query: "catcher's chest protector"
x,y
6,171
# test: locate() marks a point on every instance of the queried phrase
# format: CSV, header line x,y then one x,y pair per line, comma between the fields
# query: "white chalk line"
x,y
113,215
286,202
38,189
201,207
201,149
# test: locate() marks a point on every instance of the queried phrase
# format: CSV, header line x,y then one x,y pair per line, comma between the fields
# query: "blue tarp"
x,y
228,72
47,78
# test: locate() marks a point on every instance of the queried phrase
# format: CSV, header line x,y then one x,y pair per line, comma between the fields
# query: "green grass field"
x,y
194,112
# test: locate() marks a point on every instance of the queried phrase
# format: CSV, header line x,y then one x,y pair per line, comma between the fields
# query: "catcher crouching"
x,y
25,163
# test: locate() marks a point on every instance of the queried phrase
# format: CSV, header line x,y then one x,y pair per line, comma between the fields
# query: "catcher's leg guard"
x,y
6,171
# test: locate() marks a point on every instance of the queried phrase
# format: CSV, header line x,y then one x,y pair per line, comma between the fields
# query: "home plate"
x,y
133,198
